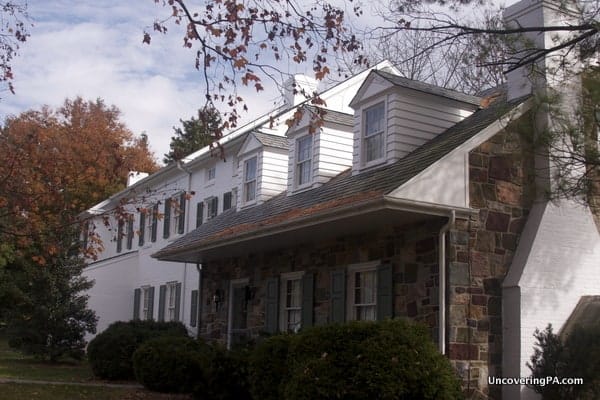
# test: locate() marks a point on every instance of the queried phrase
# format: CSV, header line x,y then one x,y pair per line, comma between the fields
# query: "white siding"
x,y
274,173
333,152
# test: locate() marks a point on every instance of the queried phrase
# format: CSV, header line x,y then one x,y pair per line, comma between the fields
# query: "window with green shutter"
x,y
142,236
167,219
194,308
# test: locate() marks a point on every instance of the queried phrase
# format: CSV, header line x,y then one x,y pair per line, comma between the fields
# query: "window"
x,y
120,226
374,122
171,301
303,160
250,180
211,173
149,217
129,231
152,223
146,303
291,302
227,197
363,295
212,204
199,213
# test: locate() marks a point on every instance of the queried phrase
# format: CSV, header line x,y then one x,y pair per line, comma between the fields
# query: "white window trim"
x,y
208,202
284,278
176,214
363,150
244,182
170,306
352,270
297,163
210,179
144,303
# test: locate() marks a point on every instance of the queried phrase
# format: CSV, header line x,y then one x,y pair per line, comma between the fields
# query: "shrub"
x,y
110,352
224,375
578,356
169,363
268,367
360,360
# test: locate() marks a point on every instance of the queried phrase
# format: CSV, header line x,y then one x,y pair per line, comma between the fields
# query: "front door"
x,y
238,316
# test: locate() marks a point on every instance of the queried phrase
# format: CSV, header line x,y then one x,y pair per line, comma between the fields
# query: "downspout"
x,y
185,170
199,307
442,283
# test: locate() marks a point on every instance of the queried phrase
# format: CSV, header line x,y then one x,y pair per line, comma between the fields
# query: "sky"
x,y
94,49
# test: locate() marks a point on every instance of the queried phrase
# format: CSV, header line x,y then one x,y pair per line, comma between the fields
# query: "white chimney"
x,y
135,176
546,72
298,89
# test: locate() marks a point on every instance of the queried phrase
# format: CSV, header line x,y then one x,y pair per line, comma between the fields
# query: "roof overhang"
x,y
353,219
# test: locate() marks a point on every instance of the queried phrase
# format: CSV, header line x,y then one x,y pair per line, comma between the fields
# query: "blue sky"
x,y
93,48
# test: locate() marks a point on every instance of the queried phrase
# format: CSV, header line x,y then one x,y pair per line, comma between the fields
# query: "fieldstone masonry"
x,y
480,251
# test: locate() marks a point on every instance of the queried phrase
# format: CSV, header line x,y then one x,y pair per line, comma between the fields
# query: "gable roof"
x,y
268,140
343,190
422,87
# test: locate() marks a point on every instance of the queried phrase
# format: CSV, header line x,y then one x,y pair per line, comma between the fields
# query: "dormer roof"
x,y
399,81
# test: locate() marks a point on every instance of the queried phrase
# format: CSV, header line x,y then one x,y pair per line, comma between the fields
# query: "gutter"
x,y
379,203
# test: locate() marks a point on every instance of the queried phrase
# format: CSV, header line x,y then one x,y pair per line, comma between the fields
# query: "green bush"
x,y
269,367
110,352
578,356
169,364
224,375
364,360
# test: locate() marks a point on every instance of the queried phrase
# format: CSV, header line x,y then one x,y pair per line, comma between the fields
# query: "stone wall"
x,y
412,251
481,251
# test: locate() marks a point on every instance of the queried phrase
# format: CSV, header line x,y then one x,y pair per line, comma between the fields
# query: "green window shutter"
x,y
167,219
338,296
308,288
194,308
182,204
385,292
154,222
199,213
137,293
129,232
272,305
162,292
177,300
151,302
142,228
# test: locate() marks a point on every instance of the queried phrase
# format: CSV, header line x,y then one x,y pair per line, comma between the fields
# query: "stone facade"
x,y
481,252
411,250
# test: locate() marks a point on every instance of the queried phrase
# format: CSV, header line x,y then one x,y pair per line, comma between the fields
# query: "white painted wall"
x,y
557,261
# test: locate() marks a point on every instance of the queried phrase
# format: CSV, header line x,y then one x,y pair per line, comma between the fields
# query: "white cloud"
x,y
94,49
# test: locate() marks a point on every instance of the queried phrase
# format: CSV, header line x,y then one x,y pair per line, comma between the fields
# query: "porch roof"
x,y
344,196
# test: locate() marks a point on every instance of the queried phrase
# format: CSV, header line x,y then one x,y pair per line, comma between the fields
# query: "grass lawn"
x,y
18,391
14,365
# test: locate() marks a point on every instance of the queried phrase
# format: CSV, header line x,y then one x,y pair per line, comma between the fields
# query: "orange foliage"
x,y
54,164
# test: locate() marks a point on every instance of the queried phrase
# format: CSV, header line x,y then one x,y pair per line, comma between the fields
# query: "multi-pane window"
x,y
374,122
250,179
363,284
129,232
171,301
227,197
149,224
211,173
303,160
146,303
291,302
212,207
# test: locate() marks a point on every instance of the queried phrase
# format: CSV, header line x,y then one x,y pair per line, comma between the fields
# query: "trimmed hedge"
x,y
169,364
110,352
365,360
269,367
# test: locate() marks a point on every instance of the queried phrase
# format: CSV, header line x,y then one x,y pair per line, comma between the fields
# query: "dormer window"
x,y
250,180
374,127
303,160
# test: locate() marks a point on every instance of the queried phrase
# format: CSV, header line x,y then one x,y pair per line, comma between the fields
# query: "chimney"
x,y
546,73
299,88
135,176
